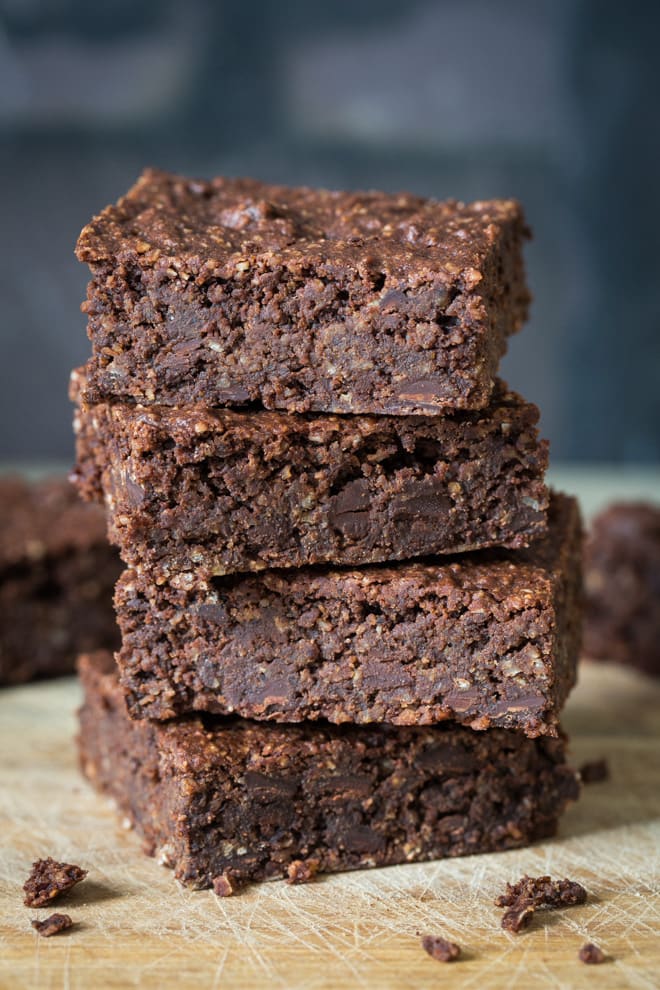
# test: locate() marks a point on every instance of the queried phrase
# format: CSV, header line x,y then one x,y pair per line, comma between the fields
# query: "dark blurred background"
x,y
552,101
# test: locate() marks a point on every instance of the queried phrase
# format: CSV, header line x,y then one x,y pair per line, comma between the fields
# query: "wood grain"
x,y
135,927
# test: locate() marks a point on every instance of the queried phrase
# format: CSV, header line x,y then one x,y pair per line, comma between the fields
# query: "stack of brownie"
x,y
350,609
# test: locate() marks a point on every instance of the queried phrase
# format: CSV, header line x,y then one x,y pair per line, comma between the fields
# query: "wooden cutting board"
x,y
135,927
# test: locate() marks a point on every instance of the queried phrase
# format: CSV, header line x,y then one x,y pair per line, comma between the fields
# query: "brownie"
x,y
52,925
232,291
622,585
488,639
221,797
523,898
220,491
57,574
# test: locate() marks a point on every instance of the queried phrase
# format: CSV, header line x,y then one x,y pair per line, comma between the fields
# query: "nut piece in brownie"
x,y
57,574
220,491
487,639
229,798
233,291
49,879
622,586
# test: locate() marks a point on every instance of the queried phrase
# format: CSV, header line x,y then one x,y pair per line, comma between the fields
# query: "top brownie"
x,y
232,292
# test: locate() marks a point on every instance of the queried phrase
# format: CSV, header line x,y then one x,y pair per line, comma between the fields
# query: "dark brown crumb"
x,y
594,771
440,949
49,879
302,871
223,886
518,917
53,925
529,893
591,954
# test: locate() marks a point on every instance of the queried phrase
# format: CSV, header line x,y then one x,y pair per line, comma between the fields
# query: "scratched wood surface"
x,y
135,927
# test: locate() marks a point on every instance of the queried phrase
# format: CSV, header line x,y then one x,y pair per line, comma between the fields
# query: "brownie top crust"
x,y
204,229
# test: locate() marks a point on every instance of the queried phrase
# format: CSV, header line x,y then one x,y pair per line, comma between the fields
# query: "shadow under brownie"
x,y
229,800
488,639
222,491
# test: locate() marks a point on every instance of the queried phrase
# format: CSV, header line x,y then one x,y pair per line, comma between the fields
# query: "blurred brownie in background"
x,y
622,581
57,574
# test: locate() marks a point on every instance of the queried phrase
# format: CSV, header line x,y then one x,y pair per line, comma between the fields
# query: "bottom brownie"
x,y
227,799
57,575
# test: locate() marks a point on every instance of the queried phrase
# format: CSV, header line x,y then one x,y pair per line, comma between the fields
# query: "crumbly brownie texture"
x,y
522,899
232,291
53,925
488,639
622,584
49,879
224,491
239,800
57,574
440,949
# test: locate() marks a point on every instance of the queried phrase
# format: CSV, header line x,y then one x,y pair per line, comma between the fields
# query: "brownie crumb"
x,y
591,954
440,949
302,871
518,917
594,771
53,925
223,886
524,897
49,879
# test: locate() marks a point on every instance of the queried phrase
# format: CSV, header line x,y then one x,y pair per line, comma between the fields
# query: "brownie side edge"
x,y
222,491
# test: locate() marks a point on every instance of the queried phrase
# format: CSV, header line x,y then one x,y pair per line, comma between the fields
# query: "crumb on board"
x,y
302,870
223,886
591,954
440,948
594,771
52,925
49,879
523,898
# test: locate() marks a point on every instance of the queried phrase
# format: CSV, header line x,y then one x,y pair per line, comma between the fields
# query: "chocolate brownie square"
x,y
57,575
233,291
226,800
